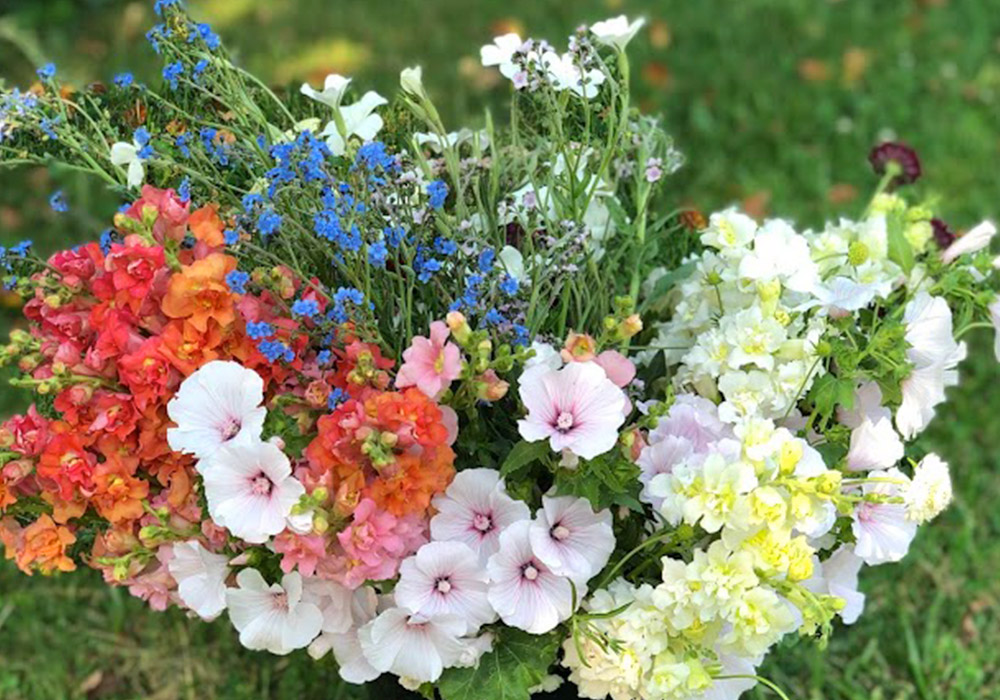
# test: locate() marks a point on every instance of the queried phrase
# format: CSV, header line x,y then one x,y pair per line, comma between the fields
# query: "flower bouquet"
x,y
479,409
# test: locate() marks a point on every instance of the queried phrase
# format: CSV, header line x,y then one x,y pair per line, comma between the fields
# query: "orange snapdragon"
x,y
199,292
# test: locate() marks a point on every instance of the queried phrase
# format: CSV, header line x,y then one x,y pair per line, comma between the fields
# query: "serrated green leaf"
x,y
522,454
519,661
830,391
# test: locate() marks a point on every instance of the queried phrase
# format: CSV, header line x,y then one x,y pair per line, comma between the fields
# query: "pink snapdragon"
x,y
430,364
303,551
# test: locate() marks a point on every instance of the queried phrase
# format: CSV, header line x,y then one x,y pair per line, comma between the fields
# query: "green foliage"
x,y
519,661
607,480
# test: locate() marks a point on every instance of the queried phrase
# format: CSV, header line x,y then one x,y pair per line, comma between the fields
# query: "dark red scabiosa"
x,y
943,235
902,155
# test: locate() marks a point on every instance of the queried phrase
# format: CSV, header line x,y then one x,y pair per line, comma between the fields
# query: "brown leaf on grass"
x,y
842,193
814,70
756,204
855,64
656,74
91,682
660,36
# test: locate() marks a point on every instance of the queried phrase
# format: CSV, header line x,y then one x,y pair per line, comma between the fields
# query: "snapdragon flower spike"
x,y
571,539
523,590
445,578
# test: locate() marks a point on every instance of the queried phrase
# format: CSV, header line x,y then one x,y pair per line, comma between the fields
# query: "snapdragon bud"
x,y
630,326
459,326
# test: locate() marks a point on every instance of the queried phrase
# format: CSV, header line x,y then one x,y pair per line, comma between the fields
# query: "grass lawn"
x,y
775,103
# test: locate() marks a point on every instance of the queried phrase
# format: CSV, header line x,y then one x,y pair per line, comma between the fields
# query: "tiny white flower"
x,y
475,509
272,618
217,405
445,578
524,592
930,491
972,242
359,119
616,32
251,490
501,54
565,74
332,93
127,155
413,646
570,538
201,578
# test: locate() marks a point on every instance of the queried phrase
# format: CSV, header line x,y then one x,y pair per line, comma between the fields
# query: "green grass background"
x,y
775,103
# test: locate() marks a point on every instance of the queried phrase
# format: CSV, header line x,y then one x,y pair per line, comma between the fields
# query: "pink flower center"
x,y
231,428
443,585
529,572
865,512
260,485
564,422
482,522
560,532
280,601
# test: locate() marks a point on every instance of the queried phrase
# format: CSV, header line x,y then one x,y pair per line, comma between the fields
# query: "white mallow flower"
x,y
359,119
524,592
841,295
201,578
513,263
882,531
217,405
332,93
445,578
334,602
935,356
838,576
875,444
617,31
251,490
867,406
501,54
930,492
570,538
780,253
475,509
128,155
351,662
576,408
272,617
660,458
972,242
413,647
453,139
729,231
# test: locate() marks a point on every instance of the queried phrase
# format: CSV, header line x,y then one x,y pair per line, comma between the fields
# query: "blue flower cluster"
x,y
172,73
142,139
124,80
437,193
336,397
47,72
258,330
7,258
275,350
307,308
237,282
215,148
345,299
303,159
339,204
58,202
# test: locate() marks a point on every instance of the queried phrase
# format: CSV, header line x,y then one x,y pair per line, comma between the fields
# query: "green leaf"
x,y
519,661
830,391
523,454
666,283
607,480
900,250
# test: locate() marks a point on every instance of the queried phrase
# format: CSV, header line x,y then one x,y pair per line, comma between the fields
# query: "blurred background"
x,y
775,103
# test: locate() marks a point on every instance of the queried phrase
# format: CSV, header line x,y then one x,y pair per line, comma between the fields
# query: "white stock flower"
x,y
413,646
617,31
445,578
332,93
972,242
523,591
250,490
201,578
272,618
930,492
359,119
475,509
780,253
570,538
729,231
217,405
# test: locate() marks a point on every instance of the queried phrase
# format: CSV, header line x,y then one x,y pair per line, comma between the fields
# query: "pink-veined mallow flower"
x,y
272,617
414,647
694,418
445,578
346,646
576,408
475,509
660,458
838,576
430,364
217,405
875,444
251,490
570,538
617,31
972,242
934,354
201,578
523,590
882,531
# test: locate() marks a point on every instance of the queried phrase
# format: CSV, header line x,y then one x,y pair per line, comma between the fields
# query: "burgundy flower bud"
x,y
899,153
943,235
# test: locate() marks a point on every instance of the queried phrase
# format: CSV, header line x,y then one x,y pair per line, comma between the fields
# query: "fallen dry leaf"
x,y
814,70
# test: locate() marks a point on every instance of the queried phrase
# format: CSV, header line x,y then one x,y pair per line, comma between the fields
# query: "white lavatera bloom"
x,y
841,296
453,139
414,647
576,408
445,578
217,405
523,591
250,490
475,509
201,578
617,31
930,491
358,119
570,538
838,576
334,87
272,617
126,155
501,54
882,531
972,242
346,646
874,445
